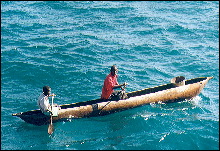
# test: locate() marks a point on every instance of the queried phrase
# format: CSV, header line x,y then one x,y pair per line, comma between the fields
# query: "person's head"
x,y
46,90
114,70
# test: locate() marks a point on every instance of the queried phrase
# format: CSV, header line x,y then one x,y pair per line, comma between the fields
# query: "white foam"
x,y
195,100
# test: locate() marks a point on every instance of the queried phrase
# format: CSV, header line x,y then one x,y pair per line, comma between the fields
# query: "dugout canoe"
x,y
164,93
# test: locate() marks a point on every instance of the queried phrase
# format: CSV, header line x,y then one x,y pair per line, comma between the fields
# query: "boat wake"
x,y
195,100
164,109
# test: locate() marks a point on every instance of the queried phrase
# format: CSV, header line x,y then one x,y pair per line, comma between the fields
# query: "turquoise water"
x,y
70,46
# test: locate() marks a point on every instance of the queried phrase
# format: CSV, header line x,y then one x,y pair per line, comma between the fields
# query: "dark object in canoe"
x,y
163,93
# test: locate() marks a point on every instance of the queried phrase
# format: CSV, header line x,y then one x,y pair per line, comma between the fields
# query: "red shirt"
x,y
109,83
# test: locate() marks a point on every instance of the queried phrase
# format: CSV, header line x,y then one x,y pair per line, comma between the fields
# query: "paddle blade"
x,y
50,129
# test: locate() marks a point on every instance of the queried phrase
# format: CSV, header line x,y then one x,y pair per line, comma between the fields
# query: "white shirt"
x,y
43,103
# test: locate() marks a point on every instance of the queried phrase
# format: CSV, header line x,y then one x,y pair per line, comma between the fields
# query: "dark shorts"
x,y
118,95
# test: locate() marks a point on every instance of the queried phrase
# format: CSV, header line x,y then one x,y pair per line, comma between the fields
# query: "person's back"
x,y
43,100
109,84
43,103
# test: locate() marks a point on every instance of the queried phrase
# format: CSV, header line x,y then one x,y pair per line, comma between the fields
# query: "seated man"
x,y
110,84
43,101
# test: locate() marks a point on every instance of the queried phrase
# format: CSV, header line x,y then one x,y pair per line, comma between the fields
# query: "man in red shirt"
x,y
111,83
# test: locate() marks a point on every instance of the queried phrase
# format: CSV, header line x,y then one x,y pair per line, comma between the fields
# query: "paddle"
x,y
50,127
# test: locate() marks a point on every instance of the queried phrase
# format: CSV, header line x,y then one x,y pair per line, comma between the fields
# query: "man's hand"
x,y
124,84
52,94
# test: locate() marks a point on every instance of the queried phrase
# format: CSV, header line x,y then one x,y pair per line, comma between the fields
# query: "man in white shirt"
x,y
43,101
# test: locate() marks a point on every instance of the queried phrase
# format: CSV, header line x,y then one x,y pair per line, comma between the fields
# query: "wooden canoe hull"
x,y
163,93
171,95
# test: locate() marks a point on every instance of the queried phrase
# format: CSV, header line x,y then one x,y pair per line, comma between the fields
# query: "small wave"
x,y
178,29
195,100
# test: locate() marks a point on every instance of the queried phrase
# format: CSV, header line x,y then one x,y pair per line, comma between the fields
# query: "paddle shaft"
x,y
52,102
104,106
112,100
50,127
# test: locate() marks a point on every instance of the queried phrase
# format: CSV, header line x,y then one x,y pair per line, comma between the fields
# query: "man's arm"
x,y
118,86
